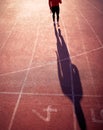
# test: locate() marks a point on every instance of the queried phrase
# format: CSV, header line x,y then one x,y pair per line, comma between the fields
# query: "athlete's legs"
x,y
53,16
57,13
53,13
56,10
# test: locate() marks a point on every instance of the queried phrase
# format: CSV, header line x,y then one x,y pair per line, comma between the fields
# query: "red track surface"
x,y
50,78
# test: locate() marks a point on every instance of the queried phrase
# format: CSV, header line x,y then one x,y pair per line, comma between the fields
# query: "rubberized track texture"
x,y
51,78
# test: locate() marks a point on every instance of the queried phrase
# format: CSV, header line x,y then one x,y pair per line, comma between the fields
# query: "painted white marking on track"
x,y
49,94
70,67
94,7
20,94
91,27
8,35
49,110
53,62
93,116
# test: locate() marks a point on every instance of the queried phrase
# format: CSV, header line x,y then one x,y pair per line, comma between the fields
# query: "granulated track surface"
x,y
51,78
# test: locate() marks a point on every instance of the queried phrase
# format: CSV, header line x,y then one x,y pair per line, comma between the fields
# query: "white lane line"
x,y
88,52
70,67
38,66
89,68
73,96
50,94
87,59
95,6
97,37
1,48
53,62
48,110
13,72
20,94
11,93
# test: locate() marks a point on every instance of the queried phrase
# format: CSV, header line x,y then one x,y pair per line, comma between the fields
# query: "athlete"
x,y
55,9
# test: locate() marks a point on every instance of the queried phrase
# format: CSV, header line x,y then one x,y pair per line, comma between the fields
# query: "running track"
x,y
51,78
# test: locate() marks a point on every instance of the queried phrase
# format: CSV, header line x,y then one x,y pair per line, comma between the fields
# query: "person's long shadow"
x,y
69,78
